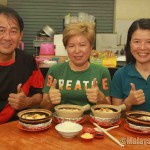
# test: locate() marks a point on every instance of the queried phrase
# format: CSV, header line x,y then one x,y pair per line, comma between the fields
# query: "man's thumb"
x,y
133,88
54,84
19,88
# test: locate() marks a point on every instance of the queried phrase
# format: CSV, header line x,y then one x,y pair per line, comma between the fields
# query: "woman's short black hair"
x,y
10,12
137,24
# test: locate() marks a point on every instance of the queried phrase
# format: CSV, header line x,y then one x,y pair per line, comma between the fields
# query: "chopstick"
x,y
109,128
112,128
108,134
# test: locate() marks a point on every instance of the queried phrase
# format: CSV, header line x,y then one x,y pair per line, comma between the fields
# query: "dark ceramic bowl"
x,y
139,118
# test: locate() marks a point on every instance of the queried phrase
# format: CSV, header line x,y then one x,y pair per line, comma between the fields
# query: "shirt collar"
x,y
133,72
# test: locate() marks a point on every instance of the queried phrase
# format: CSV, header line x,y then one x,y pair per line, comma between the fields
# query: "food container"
x,y
139,120
35,118
107,111
88,130
87,136
58,119
90,133
106,115
106,121
71,111
68,129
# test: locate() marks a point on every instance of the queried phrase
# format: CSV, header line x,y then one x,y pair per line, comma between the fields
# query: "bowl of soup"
x,y
35,118
70,111
139,120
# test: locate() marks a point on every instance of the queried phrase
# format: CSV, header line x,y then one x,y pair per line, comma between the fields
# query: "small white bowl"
x,y
68,129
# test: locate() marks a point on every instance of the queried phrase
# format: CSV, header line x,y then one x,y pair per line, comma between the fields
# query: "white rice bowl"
x,y
68,129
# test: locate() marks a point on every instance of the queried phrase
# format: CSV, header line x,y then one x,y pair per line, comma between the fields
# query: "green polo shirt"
x,y
120,86
72,84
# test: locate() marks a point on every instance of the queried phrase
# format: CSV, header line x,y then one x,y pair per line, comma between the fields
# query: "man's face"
x,y
10,35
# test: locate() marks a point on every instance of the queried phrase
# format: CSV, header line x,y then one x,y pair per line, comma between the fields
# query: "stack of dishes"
x,y
35,119
139,120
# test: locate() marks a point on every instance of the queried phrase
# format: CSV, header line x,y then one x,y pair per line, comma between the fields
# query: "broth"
x,y
34,115
106,109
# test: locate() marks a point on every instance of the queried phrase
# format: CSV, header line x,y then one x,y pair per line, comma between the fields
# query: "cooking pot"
x,y
115,110
48,30
141,118
59,119
71,111
32,112
35,119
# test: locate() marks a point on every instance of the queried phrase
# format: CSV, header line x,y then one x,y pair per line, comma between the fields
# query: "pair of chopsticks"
x,y
108,128
108,134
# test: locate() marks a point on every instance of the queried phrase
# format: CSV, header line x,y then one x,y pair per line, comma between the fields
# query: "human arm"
x,y
46,103
20,101
95,95
135,97
53,98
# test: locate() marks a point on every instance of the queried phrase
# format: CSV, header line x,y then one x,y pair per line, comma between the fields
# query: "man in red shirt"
x,y
21,81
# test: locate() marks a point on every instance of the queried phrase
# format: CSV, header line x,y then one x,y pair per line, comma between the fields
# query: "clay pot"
x,y
139,118
115,114
33,112
71,111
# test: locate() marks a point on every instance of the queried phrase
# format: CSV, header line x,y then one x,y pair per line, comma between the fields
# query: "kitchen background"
x,y
113,17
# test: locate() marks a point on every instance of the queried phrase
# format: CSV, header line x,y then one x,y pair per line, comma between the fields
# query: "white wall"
x,y
132,9
126,12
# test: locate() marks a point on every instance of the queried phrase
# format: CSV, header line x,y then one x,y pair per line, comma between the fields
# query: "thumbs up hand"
x,y
54,94
18,100
136,97
19,88
94,94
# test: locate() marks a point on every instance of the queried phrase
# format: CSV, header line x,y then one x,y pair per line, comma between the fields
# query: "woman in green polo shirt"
x,y
131,83
77,81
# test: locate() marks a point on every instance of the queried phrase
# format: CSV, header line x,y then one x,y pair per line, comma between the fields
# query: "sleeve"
x,y
6,114
48,80
35,82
